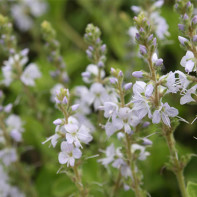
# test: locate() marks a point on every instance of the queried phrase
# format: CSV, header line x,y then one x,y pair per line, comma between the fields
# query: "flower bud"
x,y
150,37
113,70
85,74
189,4
65,100
147,141
91,48
75,107
120,74
100,64
194,20
113,80
181,27
146,124
185,17
137,36
143,50
195,38
159,62
8,108
57,122
103,48
182,40
155,42
89,53
137,74
127,86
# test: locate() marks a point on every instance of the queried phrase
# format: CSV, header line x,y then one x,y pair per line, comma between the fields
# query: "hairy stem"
x,y
78,183
178,167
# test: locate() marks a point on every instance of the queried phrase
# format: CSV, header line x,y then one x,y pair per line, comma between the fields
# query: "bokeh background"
x,y
114,17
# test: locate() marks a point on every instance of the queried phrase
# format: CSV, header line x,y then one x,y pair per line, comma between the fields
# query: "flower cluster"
x,y
71,132
13,69
6,189
25,11
53,52
151,11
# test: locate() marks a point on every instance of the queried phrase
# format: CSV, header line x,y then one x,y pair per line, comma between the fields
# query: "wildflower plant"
x,y
107,129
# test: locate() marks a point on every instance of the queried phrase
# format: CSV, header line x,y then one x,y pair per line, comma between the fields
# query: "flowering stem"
x,y
177,165
5,133
131,162
154,78
26,179
117,184
83,191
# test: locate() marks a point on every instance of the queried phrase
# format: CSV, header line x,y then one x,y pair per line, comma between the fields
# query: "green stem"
x,y
117,184
130,160
78,183
178,167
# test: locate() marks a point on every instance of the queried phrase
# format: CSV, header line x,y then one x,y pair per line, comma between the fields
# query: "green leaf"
x,y
192,189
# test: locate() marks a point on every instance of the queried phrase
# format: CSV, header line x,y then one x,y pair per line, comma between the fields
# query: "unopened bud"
x,y
127,86
137,74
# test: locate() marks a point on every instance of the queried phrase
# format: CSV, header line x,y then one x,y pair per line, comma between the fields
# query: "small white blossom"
x,y
15,128
29,75
8,156
98,95
188,62
91,73
76,134
68,154
143,153
164,113
56,88
187,96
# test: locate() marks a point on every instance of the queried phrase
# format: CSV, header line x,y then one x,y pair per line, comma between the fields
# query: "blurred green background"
x,y
114,17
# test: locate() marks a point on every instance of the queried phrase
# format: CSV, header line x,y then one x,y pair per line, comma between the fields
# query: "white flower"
x,y
140,99
136,9
29,75
83,93
8,156
110,109
187,97
69,154
132,33
125,119
188,62
85,121
110,153
113,156
15,128
76,134
20,12
7,75
164,113
98,95
126,171
91,73
160,25
174,83
143,153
